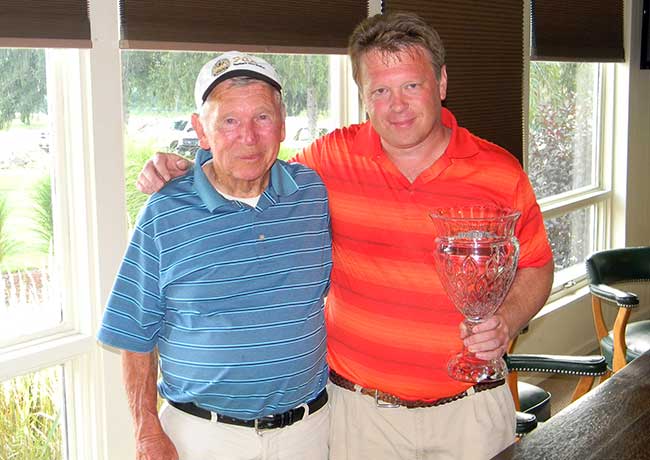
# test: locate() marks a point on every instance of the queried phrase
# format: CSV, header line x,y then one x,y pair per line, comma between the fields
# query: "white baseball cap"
x,y
229,65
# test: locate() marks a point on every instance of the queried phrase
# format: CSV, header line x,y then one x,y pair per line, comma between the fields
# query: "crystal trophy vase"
x,y
476,256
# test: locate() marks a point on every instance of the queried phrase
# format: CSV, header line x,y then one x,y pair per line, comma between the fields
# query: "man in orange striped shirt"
x,y
391,328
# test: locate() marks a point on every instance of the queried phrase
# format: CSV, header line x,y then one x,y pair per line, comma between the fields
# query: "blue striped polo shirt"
x,y
231,295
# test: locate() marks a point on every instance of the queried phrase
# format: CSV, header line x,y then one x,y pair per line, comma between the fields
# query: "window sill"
x,y
564,299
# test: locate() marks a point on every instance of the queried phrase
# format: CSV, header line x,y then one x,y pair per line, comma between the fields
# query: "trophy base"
x,y
467,368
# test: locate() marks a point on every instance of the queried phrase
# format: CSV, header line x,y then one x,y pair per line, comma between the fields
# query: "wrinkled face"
x,y
243,126
402,96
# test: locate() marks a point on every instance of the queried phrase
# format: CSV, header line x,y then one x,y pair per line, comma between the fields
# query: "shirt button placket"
x,y
259,236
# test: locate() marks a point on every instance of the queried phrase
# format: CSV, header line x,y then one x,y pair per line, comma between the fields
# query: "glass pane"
x,y
572,237
158,100
28,302
562,126
306,90
32,416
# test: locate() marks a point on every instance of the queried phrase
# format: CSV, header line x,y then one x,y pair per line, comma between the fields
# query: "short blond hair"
x,y
392,33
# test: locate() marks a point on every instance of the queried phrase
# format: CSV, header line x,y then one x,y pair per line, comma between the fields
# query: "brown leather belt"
x,y
411,404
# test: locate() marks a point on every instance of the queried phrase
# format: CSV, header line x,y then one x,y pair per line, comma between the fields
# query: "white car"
x,y
186,141
303,138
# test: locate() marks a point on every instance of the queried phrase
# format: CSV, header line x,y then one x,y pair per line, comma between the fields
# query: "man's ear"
x,y
200,132
284,123
443,83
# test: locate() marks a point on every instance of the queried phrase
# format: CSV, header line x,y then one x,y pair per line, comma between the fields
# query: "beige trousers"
x,y
199,439
474,427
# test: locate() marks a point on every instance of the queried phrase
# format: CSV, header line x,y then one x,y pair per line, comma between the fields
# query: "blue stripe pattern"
x,y
231,295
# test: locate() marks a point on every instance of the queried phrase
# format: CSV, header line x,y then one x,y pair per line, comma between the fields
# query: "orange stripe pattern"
x,y
390,325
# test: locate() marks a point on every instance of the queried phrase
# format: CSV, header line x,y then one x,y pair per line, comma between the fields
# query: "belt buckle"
x,y
260,430
382,404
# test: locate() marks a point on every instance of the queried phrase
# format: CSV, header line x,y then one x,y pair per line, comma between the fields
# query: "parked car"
x,y
303,138
304,135
186,141
44,141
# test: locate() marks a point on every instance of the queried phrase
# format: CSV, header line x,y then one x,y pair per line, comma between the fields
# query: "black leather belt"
x,y
394,401
263,423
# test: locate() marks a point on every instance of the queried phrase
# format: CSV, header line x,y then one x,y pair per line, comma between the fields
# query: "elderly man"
x,y
391,327
225,279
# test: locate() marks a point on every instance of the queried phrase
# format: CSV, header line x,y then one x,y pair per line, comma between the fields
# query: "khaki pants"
x,y
474,427
199,439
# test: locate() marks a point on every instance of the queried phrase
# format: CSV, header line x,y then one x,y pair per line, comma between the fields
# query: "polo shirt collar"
x,y
280,184
461,144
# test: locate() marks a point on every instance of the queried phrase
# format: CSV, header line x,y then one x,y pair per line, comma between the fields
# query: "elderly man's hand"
x,y
489,339
155,447
159,170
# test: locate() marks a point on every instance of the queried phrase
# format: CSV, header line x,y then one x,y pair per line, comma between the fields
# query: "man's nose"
x,y
397,101
249,132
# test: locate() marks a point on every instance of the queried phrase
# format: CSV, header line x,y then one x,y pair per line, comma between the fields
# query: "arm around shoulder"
x,y
159,170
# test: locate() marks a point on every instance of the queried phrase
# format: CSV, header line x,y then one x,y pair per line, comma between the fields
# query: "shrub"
x,y
44,227
30,427
137,153
286,153
8,246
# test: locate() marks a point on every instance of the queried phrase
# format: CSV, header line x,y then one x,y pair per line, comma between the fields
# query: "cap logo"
x,y
246,60
220,66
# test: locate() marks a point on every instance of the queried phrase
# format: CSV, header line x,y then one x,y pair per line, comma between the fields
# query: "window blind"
x,y
44,24
484,45
309,26
577,30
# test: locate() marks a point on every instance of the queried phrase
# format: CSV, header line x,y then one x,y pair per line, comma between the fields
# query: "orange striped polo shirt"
x,y
390,324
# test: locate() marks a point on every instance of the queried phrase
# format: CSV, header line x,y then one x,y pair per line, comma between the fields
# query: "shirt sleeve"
x,y
535,250
134,310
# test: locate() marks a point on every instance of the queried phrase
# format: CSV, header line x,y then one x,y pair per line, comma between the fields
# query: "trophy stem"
x,y
466,367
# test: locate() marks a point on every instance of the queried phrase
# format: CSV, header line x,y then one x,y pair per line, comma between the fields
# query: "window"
x,y
158,88
46,284
31,308
567,160
29,298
